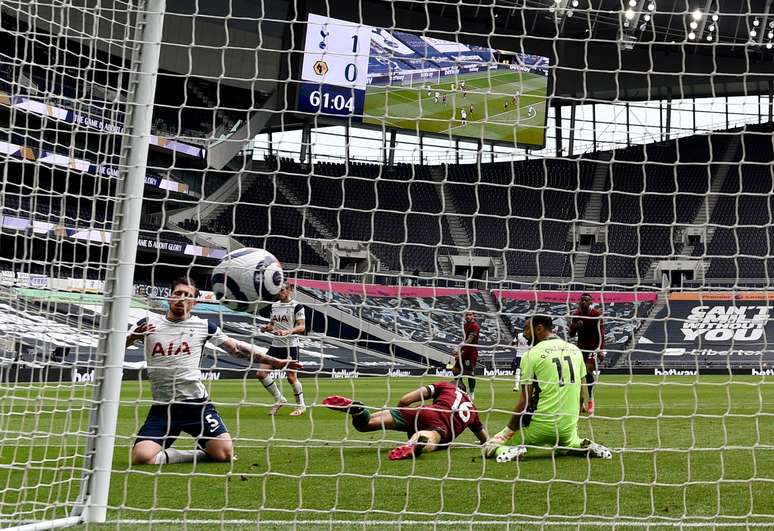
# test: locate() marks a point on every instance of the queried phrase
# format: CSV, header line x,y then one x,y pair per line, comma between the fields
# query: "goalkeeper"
x,y
551,396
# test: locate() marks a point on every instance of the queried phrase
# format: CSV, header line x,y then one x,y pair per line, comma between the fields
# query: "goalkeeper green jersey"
x,y
556,370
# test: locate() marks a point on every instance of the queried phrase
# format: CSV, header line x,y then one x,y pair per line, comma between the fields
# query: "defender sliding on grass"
x,y
429,426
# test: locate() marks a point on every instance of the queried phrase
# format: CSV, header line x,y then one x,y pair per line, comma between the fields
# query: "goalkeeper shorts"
x,y
546,434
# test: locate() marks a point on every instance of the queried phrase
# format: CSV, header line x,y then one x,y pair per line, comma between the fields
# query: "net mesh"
x,y
62,114
392,227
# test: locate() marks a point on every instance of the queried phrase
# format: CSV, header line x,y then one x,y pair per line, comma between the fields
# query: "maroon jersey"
x,y
451,412
591,335
471,328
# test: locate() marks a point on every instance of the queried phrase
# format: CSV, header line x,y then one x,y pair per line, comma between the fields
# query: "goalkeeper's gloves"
x,y
497,440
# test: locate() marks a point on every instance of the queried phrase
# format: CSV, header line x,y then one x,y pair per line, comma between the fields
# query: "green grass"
x,y
685,450
411,108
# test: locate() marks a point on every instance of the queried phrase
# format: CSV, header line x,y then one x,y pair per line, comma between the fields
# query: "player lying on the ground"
x,y
429,426
552,394
174,344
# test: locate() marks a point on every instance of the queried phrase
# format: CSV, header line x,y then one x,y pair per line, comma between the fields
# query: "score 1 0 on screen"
x,y
335,68
415,82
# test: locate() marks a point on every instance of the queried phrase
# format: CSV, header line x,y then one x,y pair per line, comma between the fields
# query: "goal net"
x,y
428,174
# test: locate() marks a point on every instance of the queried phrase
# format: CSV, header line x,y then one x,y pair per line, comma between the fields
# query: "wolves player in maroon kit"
x,y
466,356
586,323
429,426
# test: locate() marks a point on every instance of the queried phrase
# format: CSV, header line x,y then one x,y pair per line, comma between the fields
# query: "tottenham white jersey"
x,y
285,316
521,344
173,352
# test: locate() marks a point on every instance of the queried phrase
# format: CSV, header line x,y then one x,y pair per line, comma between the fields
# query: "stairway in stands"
x,y
591,215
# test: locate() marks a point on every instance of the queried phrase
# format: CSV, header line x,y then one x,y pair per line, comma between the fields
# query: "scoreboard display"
x,y
401,80
335,67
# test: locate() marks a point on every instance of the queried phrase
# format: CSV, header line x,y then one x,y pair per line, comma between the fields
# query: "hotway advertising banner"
x,y
721,328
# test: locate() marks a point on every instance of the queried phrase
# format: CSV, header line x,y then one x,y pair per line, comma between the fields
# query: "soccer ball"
x,y
248,279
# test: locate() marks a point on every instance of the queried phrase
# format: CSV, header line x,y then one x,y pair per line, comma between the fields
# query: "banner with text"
x,y
712,328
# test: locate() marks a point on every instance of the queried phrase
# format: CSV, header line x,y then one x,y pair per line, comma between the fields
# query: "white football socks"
x,y
298,391
171,456
272,387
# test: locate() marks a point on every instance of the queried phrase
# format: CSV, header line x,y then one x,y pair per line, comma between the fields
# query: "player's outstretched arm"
x,y
417,395
482,435
139,333
514,423
240,349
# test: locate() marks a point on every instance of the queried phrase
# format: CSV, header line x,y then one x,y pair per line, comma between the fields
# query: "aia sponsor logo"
x,y
280,319
172,349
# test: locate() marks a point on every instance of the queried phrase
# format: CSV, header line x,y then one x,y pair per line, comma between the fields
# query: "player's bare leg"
x,y
298,392
264,375
145,452
421,442
152,453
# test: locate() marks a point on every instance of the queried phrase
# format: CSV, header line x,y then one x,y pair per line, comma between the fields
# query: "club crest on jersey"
x,y
172,350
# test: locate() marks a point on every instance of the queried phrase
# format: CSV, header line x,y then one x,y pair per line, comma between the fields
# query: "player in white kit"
x,y
174,345
522,346
287,321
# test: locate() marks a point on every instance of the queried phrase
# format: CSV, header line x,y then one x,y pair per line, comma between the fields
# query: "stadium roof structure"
x,y
596,57
585,47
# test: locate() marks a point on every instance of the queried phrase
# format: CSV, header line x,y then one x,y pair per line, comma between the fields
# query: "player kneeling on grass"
x,y
429,426
552,394
174,345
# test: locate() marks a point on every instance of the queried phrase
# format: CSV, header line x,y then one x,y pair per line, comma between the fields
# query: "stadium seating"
x,y
370,205
520,208
258,222
647,198
433,320
743,214
622,320
48,195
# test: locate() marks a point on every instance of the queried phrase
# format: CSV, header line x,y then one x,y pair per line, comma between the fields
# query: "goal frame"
x,y
91,504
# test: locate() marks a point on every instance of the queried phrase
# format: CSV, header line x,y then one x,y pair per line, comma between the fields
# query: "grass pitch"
x,y
686,450
411,108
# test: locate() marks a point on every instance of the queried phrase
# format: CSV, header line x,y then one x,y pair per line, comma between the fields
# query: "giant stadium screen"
x,y
395,79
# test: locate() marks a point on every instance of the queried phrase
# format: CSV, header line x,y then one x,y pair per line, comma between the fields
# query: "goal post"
x,y
144,46
119,286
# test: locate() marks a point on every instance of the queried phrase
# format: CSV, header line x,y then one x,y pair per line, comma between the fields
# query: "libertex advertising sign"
x,y
720,325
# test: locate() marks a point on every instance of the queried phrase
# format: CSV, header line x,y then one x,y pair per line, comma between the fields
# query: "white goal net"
x,y
430,175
